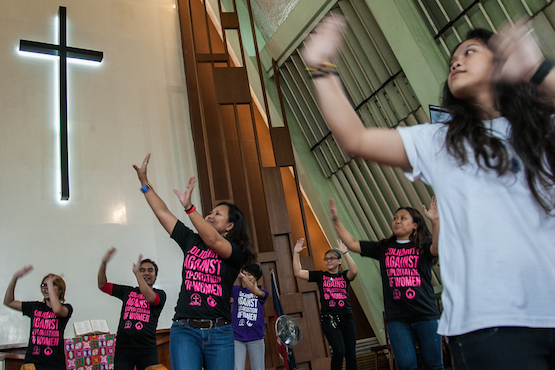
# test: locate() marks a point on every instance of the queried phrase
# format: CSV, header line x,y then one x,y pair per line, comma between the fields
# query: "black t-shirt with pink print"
x,y
46,340
138,318
334,291
406,280
207,277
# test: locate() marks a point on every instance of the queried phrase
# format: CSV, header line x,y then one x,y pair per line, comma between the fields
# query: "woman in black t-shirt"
x,y
48,321
406,258
336,316
201,335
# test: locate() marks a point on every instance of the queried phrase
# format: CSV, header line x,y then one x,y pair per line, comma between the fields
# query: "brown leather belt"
x,y
204,323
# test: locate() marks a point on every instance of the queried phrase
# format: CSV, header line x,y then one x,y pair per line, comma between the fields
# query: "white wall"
x,y
133,103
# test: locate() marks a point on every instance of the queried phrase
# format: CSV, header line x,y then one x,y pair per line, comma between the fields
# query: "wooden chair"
x,y
383,348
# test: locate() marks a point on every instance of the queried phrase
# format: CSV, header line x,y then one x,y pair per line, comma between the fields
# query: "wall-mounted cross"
x,y
64,52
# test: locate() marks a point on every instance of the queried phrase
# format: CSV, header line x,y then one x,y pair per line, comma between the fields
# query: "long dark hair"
x,y
418,237
239,234
532,132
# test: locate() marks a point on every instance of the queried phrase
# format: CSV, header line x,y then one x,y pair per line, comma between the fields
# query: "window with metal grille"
x,y
450,20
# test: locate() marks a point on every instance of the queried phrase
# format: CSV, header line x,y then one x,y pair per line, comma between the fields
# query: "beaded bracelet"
x,y
322,70
146,187
190,210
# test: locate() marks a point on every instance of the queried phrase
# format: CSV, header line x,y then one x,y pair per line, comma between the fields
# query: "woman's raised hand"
x,y
322,44
516,53
431,213
141,171
341,246
299,246
185,197
23,271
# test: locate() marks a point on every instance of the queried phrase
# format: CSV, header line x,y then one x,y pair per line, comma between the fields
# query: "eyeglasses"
x,y
43,285
330,258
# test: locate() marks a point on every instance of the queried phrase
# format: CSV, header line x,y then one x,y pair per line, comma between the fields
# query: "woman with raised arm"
x,y
48,320
336,317
406,258
201,335
492,167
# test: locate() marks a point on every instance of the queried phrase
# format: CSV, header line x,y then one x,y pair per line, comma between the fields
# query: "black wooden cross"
x,y
64,52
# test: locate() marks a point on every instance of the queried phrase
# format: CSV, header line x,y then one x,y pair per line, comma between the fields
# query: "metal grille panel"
x,y
450,20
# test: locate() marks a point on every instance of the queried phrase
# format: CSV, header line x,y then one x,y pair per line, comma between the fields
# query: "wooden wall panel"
x,y
293,206
231,85
235,164
283,148
275,196
321,363
264,140
284,273
318,343
303,353
199,26
292,303
209,58
267,257
230,20
257,189
214,137
195,106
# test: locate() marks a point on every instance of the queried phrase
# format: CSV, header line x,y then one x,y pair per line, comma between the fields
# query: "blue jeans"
x,y
504,348
404,336
191,348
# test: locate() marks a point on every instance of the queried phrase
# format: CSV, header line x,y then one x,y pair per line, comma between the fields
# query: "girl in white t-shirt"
x,y
492,167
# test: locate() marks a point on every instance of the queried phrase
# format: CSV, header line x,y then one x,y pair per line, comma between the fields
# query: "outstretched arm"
x,y
57,307
297,268
208,234
351,265
433,215
147,291
102,280
166,218
352,244
252,287
9,297
379,145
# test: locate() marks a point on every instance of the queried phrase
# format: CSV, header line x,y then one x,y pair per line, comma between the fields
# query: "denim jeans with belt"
x,y
404,336
192,348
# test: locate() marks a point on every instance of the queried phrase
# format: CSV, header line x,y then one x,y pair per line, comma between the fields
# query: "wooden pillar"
x,y
241,160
